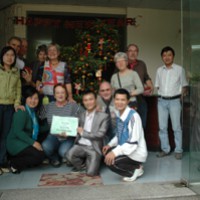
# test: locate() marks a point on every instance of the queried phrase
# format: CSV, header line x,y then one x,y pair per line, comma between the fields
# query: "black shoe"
x,y
82,169
55,163
162,154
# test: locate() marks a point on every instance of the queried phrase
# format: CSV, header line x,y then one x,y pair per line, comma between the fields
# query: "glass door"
x,y
191,104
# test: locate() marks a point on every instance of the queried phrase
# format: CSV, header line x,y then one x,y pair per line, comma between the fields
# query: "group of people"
x,y
110,124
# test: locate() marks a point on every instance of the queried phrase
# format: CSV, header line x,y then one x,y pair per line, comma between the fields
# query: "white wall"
x,y
157,28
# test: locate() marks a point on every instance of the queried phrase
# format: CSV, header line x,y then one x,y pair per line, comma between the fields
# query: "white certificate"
x,y
66,125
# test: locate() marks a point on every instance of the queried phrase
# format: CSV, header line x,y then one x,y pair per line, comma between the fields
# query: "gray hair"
x,y
120,55
54,45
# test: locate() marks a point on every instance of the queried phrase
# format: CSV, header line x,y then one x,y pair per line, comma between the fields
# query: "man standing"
x,y
171,83
126,152
93,126
140,67
105,103
15,43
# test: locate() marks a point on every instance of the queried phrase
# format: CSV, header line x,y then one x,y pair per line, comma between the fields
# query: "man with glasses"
x,y
140,67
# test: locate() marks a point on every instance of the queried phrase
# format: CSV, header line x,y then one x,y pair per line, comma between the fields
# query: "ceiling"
x,y
152,4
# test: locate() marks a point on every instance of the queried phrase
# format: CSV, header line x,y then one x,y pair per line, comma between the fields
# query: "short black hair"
x,y
4,51
167,48
29,91
89,92
122,91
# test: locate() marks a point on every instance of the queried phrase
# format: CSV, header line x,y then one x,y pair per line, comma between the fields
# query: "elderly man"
x,y
140,67
15,42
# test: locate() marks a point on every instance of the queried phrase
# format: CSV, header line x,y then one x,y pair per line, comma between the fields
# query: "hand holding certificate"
x,y
67,125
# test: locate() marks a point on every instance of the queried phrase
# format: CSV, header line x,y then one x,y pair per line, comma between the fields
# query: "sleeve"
x,y
113,142
135,131
138,84
67,75
103,127
18,93
113,81
19,123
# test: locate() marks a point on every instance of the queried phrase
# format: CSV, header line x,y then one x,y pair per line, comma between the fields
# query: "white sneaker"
x,y
137,173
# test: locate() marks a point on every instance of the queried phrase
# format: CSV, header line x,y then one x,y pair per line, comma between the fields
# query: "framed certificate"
x,y
66,125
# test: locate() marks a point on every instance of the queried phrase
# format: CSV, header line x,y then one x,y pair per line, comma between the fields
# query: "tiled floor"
x,y
166,169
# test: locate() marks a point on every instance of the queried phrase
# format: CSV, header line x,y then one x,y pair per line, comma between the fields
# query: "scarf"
x,y
32,114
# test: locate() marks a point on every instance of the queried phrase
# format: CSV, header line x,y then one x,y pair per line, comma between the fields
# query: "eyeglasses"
x,y
105,90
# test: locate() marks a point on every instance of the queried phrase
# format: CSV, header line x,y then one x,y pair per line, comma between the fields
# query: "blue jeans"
x,y
6,113
172,108
56,149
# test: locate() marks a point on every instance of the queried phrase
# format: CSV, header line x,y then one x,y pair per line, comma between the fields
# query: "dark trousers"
x,y
29,157
6,113
123,165
142,110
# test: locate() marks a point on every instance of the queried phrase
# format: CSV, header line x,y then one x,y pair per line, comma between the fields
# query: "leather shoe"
x,y
162,154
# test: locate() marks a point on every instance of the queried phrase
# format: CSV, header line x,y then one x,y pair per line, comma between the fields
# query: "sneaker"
x,y
45,161
162,154
55,163
14,170
178,156
137,173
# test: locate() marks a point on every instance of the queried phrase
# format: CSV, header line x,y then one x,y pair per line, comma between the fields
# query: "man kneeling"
x,y
126,152
93,126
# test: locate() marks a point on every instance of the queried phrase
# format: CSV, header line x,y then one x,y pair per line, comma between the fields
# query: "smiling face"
x,y
60,94
8,58
121,64
168,58
15,44
105,91
32,102
89,101
42,56
121,101
53,53
132,53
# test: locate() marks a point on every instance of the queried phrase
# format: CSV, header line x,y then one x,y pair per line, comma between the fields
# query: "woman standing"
x,y
126,78
10,97
23,143
56,146
55,72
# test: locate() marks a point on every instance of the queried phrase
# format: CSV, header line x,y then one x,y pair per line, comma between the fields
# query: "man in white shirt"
x,y
15,43
126,152
171,83
92,129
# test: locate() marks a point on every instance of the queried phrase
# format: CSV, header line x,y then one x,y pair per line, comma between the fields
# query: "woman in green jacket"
x,y
23,143
10,98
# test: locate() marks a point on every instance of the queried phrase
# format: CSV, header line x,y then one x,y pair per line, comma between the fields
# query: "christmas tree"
x,y
91,56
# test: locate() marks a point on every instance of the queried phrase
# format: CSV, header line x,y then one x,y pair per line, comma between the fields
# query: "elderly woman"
x,y
55,71
56,146
126,78
23,143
